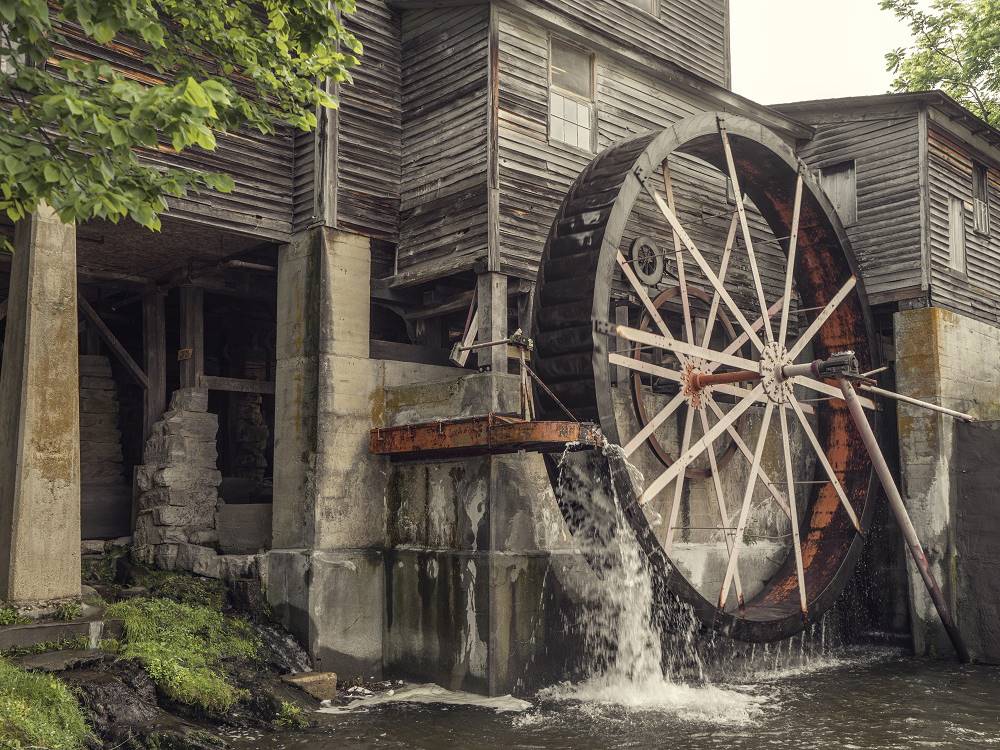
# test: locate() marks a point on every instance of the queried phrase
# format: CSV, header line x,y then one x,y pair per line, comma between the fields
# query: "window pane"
x,y
556,103
571,69
556,131
569,111
583,137
956,233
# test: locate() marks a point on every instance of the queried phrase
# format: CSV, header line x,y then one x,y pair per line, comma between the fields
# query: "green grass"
x,y
184,588
38,711
10,616
290,716
79,643
183,646
67,611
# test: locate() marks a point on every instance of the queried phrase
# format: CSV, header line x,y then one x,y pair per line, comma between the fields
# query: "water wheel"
x,y
756,492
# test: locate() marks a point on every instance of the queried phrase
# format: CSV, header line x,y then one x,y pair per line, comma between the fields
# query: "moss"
x,y
290,716
36,710
66,644
10,616
67,611
183,588
183,646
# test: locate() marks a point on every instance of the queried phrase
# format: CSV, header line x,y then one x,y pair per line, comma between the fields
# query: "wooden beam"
x,y
191,354
113,343
235,385
3,309
154,353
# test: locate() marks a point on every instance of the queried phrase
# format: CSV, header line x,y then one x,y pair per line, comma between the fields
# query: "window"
x,y
841,186
956,233
571,96
981,198
647,5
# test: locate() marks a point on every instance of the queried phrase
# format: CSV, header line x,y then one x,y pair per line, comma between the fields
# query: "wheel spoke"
x,y
679,482
742,447
699,447
727,252
703,265
668,187
741,525
653,425
821,455
640,291
638,336
824,315
747,238
793,241
794,516
721,501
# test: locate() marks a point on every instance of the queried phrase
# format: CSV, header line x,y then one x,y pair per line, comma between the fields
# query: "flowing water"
x,y
803,693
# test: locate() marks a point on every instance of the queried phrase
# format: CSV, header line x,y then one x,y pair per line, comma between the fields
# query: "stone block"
x,y
92,547
188,424
202,561
181,451
165,556
99,419
320,685
244,528
184,515
189,399
235,567
187,478
93,451
97,383
203,537
96,365
98,402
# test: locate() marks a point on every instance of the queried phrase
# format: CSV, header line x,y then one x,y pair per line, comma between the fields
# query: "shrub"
x,y
10,616
182,647
36,710
67,611
290,716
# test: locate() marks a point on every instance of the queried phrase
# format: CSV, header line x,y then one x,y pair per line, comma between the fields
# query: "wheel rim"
x,y
582,258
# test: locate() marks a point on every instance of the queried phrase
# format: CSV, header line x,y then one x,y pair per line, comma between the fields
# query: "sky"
x,y
792,50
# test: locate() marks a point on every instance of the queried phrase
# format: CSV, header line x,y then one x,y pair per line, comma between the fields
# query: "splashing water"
x,y
626,668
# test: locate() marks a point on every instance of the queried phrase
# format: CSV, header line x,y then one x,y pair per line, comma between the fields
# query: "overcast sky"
x,y
791,50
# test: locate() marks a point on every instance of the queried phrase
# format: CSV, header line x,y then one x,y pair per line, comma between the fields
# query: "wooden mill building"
x,y
219,379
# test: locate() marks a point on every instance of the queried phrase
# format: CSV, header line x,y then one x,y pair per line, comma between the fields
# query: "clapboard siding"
x,y
535,173
305,205
886,237
369,137
261,166
977,293
443,211
688,33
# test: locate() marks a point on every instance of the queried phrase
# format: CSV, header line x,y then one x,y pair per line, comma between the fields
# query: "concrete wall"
x,y
954,361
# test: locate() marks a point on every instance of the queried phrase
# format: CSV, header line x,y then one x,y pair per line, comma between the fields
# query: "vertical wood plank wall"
x,y
444,217
369,142
977,293
886,236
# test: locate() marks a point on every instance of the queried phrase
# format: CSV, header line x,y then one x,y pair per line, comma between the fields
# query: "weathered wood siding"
x,y
261,204
443,213
368,142
535,173
886,236
689,33
976,293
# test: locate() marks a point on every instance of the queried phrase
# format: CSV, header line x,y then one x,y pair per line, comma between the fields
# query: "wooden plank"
x,y
192,336
235,385
113,343
3,310
154,352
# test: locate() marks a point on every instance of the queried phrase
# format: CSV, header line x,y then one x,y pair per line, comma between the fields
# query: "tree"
x,y
71,130
957,49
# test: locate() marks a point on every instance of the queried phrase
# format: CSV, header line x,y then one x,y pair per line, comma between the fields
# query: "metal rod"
x,y
917,402
703,380
903,518
549,393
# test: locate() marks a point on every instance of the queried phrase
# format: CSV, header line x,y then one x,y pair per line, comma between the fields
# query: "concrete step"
x,y
59,661
36,633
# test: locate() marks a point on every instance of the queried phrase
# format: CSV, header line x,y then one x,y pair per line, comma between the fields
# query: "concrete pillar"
x,y
947,359
325,569
40,417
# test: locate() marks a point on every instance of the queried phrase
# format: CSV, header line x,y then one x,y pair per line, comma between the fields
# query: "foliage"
x,y
36,710
290,716
184,588
183,646
957,49
10,616
67,611
71,133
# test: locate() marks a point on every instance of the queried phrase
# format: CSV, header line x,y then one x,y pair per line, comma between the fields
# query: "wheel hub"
x,y
772,359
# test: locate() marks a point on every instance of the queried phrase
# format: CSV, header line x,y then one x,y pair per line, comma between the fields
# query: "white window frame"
x,y
980,203
590,103
958,247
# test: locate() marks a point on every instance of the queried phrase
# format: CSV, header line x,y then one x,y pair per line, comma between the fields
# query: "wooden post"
x,y
154,353
192,345
491,294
